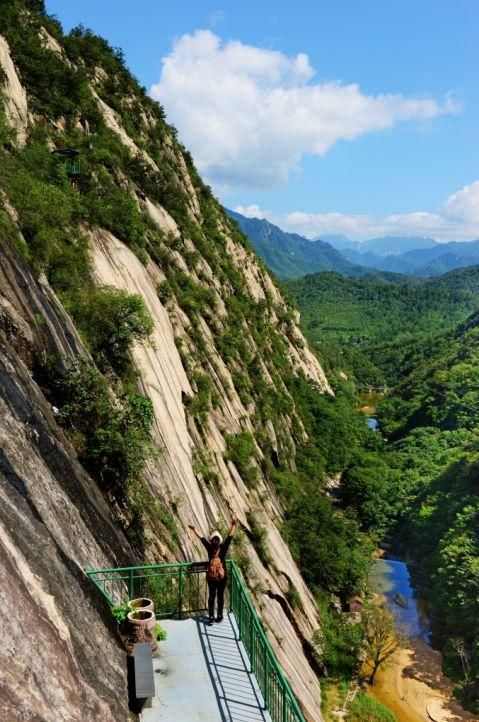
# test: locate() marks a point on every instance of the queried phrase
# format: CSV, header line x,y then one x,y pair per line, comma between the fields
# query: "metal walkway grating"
x,y
203,675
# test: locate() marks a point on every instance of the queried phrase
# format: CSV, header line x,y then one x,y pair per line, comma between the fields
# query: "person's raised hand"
x,y
192,527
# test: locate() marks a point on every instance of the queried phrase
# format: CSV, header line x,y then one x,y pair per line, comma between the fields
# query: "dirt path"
x,y
414,687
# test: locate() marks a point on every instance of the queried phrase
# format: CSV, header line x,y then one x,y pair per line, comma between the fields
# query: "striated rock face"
x,y
16,109
59,656
61,652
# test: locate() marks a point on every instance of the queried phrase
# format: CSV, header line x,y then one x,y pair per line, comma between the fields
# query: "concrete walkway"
x,y
203,674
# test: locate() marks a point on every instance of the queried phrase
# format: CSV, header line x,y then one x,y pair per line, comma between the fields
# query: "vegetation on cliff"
x,y
296,436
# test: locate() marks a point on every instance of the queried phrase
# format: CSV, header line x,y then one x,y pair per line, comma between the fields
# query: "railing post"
x,y
240,621
266,677
131,590
180,592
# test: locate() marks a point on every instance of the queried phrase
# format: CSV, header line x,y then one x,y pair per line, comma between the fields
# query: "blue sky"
x,y
348,117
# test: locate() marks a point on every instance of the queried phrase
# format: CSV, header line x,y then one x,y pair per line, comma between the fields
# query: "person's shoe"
x,y
211,620
219,619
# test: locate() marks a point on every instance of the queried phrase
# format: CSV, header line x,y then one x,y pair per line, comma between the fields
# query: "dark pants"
x,y
216,586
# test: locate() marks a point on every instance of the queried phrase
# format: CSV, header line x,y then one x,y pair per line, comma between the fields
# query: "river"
x,y
368,400
412,684
391,579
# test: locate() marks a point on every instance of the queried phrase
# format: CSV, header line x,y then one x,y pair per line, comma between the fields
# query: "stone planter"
x,y
142,623
141,603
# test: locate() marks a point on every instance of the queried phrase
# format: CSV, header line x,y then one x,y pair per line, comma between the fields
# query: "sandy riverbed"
x,y
414,687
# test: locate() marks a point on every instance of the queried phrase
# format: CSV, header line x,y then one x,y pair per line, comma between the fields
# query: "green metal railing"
x,y
180,589
72,166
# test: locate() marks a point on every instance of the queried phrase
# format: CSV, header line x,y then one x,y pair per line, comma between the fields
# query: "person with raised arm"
x,y
216,573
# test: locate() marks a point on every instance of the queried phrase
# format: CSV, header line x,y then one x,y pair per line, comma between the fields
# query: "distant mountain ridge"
x,y
382,245
290,255
426,258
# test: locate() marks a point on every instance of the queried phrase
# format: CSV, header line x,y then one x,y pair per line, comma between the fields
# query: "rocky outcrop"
x,y
15,97
164,380
59,656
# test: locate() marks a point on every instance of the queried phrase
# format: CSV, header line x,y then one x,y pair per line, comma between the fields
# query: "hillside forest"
x,y
419,339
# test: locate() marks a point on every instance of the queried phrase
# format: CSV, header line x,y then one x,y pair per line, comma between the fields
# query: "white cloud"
x,y
249,114
458,219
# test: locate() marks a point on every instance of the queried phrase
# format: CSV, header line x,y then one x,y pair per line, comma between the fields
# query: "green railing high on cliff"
x,y
180,590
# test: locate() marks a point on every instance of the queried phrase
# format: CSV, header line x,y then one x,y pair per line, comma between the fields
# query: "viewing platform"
x,y
224,672
203,673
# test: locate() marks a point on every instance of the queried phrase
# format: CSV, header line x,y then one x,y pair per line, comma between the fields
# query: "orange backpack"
x,y
216,570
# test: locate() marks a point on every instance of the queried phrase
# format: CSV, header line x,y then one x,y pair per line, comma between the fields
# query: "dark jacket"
x,y
223,550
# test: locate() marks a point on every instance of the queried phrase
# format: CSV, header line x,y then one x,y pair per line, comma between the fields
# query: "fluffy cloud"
x,y
249,114
458,219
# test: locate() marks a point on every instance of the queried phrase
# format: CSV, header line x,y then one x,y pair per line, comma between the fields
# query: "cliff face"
x,y
60,659
216,368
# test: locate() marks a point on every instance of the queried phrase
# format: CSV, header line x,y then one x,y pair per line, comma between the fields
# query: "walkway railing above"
x,y
179,590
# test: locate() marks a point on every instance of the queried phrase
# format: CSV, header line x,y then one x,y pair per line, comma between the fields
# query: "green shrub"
x,y
339,639
240,450
112,437
119,614
258,537
111,320
161,634
164,291
199,405
367,709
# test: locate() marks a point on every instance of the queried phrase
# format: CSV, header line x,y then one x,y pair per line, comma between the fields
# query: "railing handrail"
x,y
263,680
89,572
272,655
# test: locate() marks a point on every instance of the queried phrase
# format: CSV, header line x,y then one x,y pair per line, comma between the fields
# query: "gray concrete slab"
x,y
202,674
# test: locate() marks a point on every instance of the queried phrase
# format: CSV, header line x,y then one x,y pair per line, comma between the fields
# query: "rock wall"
x,y
59,657
15,97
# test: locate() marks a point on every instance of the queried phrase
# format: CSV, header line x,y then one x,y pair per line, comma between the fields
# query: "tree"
x,y
381,637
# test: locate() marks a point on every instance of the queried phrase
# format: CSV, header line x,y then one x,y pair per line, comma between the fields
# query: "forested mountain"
x,y
152,374
429,468
289,255
431,417
359,314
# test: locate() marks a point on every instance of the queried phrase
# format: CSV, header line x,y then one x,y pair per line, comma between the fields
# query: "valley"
x,y
169,368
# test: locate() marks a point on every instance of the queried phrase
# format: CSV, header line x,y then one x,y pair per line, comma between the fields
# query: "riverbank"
x,y
414,687
412,684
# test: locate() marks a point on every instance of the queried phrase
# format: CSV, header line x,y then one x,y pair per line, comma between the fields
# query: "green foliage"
x,y
313,529
431,417
119,614
199,405
366,709
240,450
258,535
340,640
192,297
113,438
361,313
111,320
373,488
202,466
161,634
